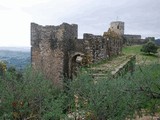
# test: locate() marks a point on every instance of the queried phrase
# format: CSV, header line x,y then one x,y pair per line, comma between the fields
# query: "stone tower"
x,y
50,48
117,27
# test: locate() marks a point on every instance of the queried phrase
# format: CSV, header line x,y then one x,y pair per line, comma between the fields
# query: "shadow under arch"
x,y
75,63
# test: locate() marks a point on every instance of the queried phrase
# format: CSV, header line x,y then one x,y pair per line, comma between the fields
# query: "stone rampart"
x,y
57,52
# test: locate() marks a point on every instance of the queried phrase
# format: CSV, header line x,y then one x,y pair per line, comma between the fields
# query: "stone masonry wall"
x,y
56,51
50,47
114,43
96,45
134,39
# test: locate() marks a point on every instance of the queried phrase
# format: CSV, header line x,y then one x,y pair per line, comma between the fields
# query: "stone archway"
x,y
75,62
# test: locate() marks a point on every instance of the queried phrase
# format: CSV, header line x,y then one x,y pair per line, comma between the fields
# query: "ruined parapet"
x,y
101,47
96,46
50,48
112,35
134,39
114,42
128,36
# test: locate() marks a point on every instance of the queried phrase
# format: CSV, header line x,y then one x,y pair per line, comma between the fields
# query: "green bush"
x,y
3,68
121,98
31,97
149,47
34,97
103,100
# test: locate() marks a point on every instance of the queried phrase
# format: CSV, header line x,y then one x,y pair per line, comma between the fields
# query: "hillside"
x,y
141,58
15,57
157,41
100,97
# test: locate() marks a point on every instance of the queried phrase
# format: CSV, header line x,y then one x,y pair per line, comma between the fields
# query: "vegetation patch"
x,y
33,97
30,96
141,57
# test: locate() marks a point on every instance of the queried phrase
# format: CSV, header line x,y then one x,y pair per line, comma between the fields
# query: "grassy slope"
x,y
145,59
141,57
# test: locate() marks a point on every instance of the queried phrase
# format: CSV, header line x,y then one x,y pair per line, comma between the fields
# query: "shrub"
x,y
103,100
34,97
149,47
3,68
121,98
31,97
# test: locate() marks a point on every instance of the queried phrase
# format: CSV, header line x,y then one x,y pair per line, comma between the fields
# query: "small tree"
x,y
149,47
3,68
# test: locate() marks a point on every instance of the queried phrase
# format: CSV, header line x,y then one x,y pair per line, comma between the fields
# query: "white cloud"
x,y
15,28
20,3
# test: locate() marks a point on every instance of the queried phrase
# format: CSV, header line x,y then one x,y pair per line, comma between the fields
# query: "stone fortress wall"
x,y
134,39
57,51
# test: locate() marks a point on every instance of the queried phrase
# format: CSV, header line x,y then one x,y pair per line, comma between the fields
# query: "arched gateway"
x,y
75,62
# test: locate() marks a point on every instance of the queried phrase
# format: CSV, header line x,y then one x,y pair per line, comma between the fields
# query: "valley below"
x,y
15,57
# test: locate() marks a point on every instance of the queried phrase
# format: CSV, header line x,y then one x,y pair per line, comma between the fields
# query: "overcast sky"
x,y
92,16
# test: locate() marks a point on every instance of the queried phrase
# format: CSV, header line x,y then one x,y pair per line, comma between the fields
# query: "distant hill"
x,y
22,49
157,41
17,57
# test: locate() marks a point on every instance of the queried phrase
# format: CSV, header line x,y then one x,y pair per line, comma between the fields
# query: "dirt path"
x,y
105,69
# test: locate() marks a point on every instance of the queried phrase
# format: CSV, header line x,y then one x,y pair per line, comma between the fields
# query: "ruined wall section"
x,y
80,45
50,47
133,39
128,36
114,43
115,47
96,46
102,47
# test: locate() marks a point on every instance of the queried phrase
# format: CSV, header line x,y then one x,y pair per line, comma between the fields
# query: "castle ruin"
x,y
56,51
129,39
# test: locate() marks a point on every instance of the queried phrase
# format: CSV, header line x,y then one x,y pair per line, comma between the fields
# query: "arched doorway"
x,y
75,62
